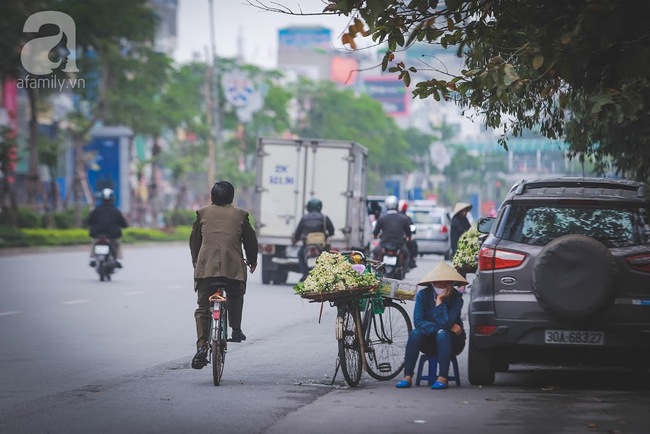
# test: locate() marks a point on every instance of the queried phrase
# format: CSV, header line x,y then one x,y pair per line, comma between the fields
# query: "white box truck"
x,y
292,171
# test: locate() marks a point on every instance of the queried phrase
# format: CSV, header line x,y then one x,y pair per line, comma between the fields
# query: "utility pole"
x,y
214,146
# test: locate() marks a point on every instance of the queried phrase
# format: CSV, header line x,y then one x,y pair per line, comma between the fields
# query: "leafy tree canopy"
x,y
576,70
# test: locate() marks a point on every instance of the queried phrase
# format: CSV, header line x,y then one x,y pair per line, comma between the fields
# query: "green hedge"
x,y
180,217
29,237
29,218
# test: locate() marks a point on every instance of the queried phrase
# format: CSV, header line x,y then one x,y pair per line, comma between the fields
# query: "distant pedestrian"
x,y
459,224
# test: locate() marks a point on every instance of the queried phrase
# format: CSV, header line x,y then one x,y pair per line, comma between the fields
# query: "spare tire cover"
x,y
574,277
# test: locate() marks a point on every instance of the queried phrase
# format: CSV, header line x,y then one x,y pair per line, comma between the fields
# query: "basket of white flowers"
x,y
333,278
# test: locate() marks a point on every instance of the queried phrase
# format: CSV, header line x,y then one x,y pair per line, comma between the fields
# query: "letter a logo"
x,y
35,54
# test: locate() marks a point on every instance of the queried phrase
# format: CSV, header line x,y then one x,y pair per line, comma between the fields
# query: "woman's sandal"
x,y
403,384
439,385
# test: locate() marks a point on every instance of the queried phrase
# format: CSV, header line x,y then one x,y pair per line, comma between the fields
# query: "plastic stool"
x,y
433,370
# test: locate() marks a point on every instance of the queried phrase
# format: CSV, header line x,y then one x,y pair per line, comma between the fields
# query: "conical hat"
x,y
443,272
461,206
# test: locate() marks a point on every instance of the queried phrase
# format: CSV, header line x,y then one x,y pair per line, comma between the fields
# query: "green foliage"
x,y
25,218
12,237
332,113
577,70
132,235
33,237
56,237
180,217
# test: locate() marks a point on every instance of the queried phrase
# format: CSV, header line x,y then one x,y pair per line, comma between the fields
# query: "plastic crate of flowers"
x,y
334,278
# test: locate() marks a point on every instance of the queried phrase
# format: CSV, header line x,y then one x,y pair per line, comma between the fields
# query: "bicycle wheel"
x,y
219,344
349,345
386,335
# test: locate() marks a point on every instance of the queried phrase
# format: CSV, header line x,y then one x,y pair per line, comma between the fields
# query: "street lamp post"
x,y
214,146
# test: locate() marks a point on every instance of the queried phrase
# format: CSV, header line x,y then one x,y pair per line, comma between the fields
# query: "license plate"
x,y
101,250
573,337
390,260
292,251
311,262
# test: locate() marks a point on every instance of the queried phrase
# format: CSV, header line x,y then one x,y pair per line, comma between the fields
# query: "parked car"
x,y
432,225
563,278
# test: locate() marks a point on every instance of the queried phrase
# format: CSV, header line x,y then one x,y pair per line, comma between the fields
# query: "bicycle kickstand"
x,y
336,371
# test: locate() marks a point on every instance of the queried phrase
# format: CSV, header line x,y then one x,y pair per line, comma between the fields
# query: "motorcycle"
x,y
394,264
104,257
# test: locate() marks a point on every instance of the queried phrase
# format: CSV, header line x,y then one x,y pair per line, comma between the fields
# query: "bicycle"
x,y
218,332
375,342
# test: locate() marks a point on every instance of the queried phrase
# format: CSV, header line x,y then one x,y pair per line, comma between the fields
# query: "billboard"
x,y
391,92
304,38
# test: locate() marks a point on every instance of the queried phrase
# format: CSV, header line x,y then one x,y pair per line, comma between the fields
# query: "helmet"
x,y
314,205
222,193
403,205
107,195
391,202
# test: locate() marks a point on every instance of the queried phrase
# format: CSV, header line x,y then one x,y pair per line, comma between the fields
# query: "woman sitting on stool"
x,y
438,326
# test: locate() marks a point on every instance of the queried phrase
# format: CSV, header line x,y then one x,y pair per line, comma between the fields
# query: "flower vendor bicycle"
x,y
375,341
371,328
218,332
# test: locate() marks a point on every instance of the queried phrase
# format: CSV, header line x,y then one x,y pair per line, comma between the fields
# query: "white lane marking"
x,y
79,301
11,312
134,292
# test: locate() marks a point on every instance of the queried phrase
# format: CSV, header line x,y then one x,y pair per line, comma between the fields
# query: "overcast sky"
x,y
258,29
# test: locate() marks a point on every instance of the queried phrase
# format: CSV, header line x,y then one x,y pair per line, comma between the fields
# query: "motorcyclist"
x,y
313,221
411,244
392,227
108,220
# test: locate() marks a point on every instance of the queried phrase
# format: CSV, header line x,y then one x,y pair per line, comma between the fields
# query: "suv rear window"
x,y
613,226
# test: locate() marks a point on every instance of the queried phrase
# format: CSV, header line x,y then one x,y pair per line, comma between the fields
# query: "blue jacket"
x,y
430,318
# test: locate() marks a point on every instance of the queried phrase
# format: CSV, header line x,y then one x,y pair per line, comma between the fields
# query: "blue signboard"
x,y
103,157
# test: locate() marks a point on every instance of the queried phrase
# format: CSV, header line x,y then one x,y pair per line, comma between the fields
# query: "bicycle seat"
x,y
220,282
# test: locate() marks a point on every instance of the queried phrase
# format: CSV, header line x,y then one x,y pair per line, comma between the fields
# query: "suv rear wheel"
x,y
480,365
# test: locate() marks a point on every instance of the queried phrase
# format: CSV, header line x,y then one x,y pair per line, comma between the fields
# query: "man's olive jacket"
x,y
218,234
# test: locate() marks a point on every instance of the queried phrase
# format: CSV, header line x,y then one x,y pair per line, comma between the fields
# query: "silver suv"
x,y
563,278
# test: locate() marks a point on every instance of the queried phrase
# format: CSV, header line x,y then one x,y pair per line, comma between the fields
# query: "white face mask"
x,y
439,290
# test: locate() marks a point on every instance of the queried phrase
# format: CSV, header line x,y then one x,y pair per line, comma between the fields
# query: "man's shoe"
x,y
93,263
117,264
200,358
412,265
237,336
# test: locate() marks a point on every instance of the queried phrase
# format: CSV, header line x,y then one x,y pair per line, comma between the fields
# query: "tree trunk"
x,y
6,192
33,177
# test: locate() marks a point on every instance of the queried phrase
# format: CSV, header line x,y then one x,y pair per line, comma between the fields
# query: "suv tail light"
x,y
484,330
444,229
490,258
640,262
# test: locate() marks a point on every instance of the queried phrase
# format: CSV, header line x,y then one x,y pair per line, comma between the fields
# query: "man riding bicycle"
x,y
218,234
